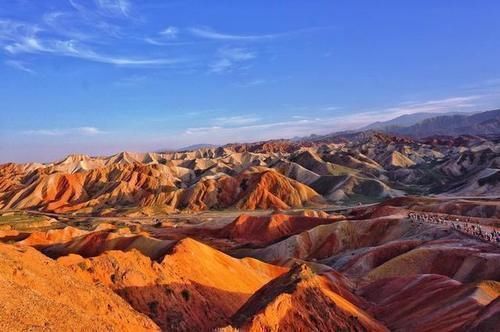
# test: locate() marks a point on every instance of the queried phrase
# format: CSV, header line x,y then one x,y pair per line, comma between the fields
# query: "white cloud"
x,y
88,130
114,7
78,131
17,38
75,26
329,108
248,133
434,106
165,37
13,30
63,34
220,66
236,53
52,18
170,32
228,58
191,131
251,83
451,104
19,65
209,33
91,16
301,125
236,120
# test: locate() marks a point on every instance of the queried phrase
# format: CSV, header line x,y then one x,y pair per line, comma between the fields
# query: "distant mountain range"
x,y
197,147
416,125
346,168
421,125
484,123
189,148
407,120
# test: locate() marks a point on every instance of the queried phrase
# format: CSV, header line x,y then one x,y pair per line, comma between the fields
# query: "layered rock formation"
x,y
344,169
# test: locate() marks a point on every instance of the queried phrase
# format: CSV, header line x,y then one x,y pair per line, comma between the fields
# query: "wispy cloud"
x,y
78,131
221,65
252,83
438,106
208,33
170,32
236,120
250,132
434,106
17,38
329,108
68,25
236,53
19,65
154,41
228,58
10,30
202,130
165,37
72,48
304,125
113,8
88,18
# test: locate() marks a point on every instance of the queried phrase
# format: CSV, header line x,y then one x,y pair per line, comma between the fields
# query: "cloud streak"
x,y
114,7
17,38
303,125
235,120
229,58
209,33
78,131
110,8
19,65
170,32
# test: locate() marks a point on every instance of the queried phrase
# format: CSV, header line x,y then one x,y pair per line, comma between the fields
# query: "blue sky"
x,y
102,76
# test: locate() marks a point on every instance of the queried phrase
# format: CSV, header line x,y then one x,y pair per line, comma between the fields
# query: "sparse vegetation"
x,y
185,294
153,308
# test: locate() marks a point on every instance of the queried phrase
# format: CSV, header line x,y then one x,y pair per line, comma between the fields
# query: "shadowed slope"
x,y
267,229
257,188
95,243
38,294
302,300
428,302
195,287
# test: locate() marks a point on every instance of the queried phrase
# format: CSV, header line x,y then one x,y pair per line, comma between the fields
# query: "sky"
x,y
103,76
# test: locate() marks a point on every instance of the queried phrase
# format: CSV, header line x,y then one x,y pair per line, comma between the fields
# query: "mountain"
x,y
177,292
259,230
39,294
348,168
405,120
197,147
484,123
300,299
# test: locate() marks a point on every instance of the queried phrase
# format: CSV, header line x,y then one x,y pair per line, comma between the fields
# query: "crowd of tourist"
x,y
463,225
